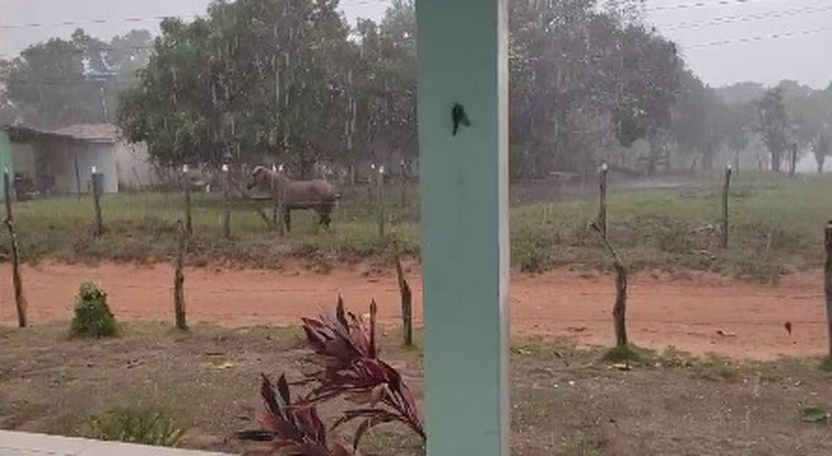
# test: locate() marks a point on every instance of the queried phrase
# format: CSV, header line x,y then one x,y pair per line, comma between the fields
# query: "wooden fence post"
x,y
407,297
17,282
726,189
97,184
403,171
179,277
828,283
226,193
186,191
619,310
602,199
380,193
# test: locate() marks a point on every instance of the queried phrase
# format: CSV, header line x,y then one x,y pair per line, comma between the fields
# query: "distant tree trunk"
x,y
776,158
793,161
707,158
820,159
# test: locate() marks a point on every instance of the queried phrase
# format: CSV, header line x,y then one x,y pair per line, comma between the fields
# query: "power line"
x,y
744,18
743,40
157,18
699,5
666,27
752,39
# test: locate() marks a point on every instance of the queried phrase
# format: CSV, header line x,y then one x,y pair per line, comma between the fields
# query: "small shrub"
x,y
626,353
136,426
92,314
675,240
530,256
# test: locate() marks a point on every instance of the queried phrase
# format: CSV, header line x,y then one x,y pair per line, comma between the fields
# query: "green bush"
x,y
92,314
136,426
530,256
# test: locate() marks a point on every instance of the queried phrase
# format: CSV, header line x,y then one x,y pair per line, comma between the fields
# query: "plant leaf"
x,y
814,414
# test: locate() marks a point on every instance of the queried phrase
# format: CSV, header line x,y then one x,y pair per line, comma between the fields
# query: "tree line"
x,y
292,81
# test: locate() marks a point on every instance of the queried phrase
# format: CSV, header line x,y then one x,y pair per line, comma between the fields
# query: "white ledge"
x,y
28,444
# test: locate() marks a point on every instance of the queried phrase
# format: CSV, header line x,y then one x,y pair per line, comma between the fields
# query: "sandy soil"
x,y
692,312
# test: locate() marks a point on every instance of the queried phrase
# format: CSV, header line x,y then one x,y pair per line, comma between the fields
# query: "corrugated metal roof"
x,y
91,132
81,132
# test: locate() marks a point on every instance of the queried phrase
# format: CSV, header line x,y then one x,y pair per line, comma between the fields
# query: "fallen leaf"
x,y
224,365
621,366
814,414
726,334
788,326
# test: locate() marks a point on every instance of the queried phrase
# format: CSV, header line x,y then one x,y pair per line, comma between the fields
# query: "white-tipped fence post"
x,y
380,193
97,184
226,193
186,190
602,199
726,188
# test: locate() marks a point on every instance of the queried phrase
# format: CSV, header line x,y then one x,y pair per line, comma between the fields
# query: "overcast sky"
x,y
707,31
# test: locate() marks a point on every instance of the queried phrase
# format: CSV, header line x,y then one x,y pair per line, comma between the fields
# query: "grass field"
x,y
776,226
564,401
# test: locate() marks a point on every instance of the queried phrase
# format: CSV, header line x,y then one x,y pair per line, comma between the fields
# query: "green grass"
x,y
776,226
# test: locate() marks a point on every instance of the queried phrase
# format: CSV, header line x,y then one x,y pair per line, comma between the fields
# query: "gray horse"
x,y
317,194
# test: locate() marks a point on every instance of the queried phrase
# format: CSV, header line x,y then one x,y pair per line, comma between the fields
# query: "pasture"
x,y
776,227
720,373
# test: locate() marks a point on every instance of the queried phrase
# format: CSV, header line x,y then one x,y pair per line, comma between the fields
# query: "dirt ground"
x,y
698,313
564,401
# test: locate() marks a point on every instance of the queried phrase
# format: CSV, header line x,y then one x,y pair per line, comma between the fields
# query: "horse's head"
x,y
260,178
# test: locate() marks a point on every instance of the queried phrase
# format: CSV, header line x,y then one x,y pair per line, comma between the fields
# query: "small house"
x,y
60,162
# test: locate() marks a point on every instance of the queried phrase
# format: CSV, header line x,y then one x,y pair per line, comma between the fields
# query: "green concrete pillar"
x,y
463,46
5,159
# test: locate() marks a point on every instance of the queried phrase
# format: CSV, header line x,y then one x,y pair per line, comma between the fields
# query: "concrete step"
x,y
28,444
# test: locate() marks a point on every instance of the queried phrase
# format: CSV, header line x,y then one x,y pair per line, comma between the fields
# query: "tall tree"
x,y
253,78
774,125
701,121
60,82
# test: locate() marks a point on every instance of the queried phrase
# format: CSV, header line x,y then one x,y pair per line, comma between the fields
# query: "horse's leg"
x,y
287,217
275,215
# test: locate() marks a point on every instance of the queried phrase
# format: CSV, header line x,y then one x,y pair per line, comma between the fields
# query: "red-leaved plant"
x,y
352,369
294,429
346,349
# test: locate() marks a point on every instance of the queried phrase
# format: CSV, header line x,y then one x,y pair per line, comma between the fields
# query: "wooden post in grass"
x,y
179,277
619,310
726,189
186,191
77,172
97,184
280,211
380,193
226,194
403,176
602,199
828,282
407,297
17,282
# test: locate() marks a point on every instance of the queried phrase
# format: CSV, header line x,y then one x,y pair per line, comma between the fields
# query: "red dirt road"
x,y
687,313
